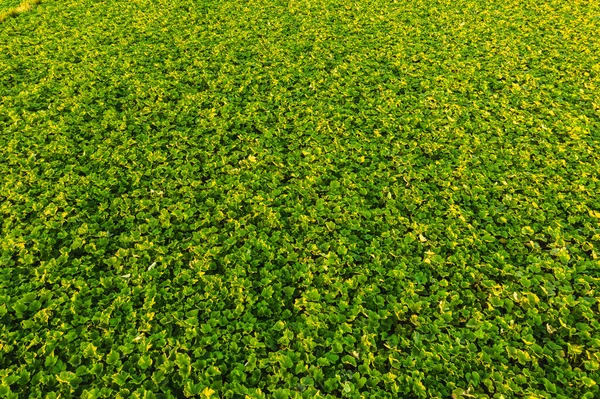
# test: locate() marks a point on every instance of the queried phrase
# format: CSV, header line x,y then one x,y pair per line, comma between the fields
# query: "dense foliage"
x,y
13,8
300,199
8,4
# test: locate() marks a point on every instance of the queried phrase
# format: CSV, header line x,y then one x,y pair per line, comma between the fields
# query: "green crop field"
x,y
300,199
6,6
9,4
12,8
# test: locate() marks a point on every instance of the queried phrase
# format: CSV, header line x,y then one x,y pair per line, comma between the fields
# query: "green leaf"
x,y
144,362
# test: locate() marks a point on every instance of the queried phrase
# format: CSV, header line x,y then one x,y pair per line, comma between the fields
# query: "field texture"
x,y
8,4
12,8
300,199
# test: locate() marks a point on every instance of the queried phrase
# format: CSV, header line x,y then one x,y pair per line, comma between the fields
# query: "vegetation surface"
x,y
8,4
12,8
300,199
